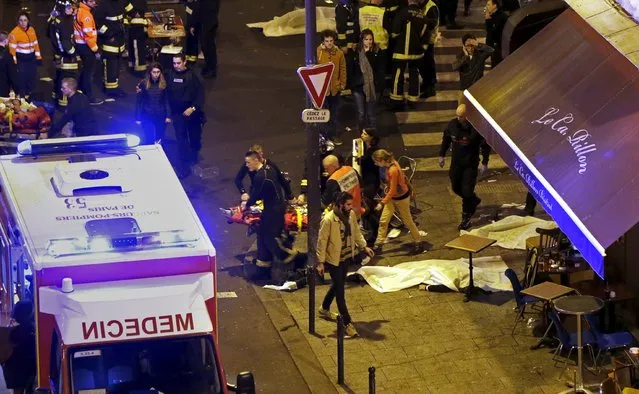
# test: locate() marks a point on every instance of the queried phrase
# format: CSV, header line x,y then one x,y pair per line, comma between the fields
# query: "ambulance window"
x,y
171,366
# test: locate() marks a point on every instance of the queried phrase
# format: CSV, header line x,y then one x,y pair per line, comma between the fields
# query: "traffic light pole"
x,y
312,168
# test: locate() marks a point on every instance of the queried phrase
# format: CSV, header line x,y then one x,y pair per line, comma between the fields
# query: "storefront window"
x,y
169,366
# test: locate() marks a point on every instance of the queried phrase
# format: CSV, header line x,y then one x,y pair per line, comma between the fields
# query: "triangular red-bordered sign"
x,y
316,80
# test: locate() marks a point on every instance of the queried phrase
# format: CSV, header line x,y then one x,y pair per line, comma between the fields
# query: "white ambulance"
x,y
100,234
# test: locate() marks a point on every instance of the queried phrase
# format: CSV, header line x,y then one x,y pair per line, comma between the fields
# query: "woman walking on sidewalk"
x,y
151,105
339,236
397,198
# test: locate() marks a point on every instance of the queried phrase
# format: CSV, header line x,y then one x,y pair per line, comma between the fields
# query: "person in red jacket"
x,y
397,197
24,47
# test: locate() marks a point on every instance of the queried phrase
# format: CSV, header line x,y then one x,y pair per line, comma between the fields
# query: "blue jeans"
x,y
365,110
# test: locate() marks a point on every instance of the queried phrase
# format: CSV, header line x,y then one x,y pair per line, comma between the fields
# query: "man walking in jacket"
x,y
328,52
464,166
339,236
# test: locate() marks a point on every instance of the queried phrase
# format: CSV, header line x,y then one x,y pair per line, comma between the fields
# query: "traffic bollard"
x,y
340,349
371,380
310,271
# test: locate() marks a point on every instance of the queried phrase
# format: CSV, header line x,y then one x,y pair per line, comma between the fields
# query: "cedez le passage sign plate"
x,y
316,116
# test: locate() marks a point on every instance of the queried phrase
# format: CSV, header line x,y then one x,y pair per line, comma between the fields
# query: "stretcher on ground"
x,y
21,120
295,217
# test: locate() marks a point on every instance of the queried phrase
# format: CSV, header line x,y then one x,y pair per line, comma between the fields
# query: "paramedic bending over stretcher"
x,y
267,187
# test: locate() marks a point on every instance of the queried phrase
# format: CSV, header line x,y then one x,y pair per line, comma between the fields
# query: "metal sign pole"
x,y
312,168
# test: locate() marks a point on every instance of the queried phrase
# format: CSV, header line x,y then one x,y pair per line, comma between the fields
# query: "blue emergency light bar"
x,y
78,144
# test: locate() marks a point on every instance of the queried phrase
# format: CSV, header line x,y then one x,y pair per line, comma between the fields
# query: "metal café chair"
x,y
522,300
608,342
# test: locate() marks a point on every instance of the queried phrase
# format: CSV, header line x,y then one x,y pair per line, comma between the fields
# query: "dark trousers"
x,y
27,76
63,69
427,68
111,63
137,48
209,48
270,229
88,69
188,133
332,103
153,127
467,4
463,180
448,10
337,290
399,66
192,46
531,203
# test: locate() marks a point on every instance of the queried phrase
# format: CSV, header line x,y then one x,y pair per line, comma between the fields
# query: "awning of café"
x,y
563,113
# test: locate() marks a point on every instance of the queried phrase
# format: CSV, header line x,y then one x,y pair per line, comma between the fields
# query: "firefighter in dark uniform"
x,y
208,15
392,8
428,67
467,144
186,98
137,36
347,25
409,30
61,28
191,8
109,17
267,187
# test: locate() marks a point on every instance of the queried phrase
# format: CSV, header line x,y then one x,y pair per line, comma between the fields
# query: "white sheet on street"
x,y
293,22
511,232
488,274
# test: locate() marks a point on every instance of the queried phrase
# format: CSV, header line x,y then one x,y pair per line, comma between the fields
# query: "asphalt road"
x,y
257,98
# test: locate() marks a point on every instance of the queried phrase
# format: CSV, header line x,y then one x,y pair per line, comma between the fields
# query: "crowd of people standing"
x,y
85,33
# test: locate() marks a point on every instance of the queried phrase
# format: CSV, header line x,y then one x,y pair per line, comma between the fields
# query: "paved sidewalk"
x,y
433,342
425,342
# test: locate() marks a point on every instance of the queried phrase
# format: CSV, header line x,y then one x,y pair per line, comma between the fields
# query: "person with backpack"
x,y
397,197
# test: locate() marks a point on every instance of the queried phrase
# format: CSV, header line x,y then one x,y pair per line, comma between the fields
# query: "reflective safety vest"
x,y
348,181
432,34
85,32
372,17
24,44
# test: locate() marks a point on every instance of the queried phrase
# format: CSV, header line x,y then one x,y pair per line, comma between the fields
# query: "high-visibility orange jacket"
x,y
23,44
85,32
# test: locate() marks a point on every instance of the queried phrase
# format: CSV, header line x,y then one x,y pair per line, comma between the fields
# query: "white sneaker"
x,y
327,314
350,331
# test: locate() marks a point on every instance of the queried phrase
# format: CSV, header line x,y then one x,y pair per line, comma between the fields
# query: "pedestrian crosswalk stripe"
x,y
444,59
443,95
442,115
422,139
431,164
454,42
448,76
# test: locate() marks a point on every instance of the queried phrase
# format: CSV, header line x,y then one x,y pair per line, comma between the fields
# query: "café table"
x,y
471,244
547,292
612,294
579,305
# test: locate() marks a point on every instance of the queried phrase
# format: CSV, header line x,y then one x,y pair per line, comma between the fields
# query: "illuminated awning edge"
x,y
590,248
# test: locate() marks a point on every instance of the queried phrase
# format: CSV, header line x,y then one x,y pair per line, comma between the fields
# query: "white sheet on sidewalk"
x,y
488,274
294,22
511,232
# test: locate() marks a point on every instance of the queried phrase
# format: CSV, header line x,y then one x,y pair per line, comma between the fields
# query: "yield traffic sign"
x,y
316,80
